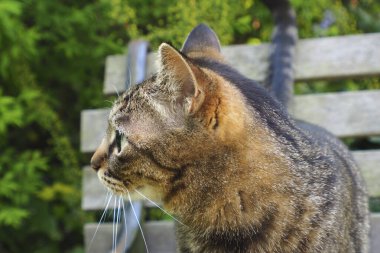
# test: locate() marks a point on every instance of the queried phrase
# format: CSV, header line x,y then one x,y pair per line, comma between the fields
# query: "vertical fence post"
x,y
136,70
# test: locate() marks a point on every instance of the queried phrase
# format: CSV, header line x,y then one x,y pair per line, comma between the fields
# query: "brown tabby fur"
x,y
227,160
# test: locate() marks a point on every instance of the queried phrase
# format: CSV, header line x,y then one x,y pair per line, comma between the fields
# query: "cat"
x,y
228,161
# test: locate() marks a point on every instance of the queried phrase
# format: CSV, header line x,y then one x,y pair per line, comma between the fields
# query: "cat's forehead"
x,y
133,98
138,90
135,92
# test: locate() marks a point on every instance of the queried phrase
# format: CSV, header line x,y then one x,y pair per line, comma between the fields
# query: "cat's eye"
x,y
118,141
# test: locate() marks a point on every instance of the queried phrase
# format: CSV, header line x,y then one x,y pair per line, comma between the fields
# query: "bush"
x,y
51,67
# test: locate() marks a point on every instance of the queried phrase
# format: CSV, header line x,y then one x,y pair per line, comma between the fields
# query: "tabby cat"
x,y
228,161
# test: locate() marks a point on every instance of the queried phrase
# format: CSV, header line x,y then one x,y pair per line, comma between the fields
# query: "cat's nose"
x,y
99,157
96,162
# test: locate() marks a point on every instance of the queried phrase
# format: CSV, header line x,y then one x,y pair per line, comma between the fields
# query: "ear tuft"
x,y
180,77
173,64
165,48
166,53
201,39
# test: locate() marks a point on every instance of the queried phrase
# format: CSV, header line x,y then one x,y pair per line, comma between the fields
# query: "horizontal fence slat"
x,y
160,236
344,114
375,233
369,163
102,242
338,57
318,58
94,193
93,127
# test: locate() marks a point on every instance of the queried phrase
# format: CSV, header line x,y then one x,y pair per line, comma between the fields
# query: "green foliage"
x,y
51,67
16,40
52,55
171,20
374,204
240,21
155,213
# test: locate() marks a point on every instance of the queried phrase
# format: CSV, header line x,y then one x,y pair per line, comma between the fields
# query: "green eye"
x,y
118,141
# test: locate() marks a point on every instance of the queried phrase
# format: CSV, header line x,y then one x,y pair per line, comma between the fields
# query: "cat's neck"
x,y
230,188
246,197
241,204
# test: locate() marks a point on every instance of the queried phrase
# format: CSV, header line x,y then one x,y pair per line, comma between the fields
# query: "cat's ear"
x,y
202,40
181,77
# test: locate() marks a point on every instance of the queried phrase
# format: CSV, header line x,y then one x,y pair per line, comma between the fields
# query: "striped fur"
x,y
229,162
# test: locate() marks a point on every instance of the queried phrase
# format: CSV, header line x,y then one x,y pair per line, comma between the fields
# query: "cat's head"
x,y
170,121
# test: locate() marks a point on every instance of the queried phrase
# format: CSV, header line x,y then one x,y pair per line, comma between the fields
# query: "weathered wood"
x,y
375,233
338,57
94,193
158,234
137,61
115,76
122,71
344,114
320,58
369,163
152,64
161,239
102,242
93,125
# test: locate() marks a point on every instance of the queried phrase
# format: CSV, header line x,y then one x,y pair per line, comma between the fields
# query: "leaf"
x,y
9,8
12,216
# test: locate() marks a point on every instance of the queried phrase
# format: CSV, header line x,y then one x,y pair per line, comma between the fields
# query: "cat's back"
x,y
336,178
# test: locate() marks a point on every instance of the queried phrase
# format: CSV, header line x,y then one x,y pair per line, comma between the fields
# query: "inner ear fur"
x,y
182,77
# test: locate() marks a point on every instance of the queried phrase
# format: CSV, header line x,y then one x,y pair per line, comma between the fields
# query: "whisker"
x,y
117,221
154,203
138,222
114,87
101,218
125,223
109,193
113,228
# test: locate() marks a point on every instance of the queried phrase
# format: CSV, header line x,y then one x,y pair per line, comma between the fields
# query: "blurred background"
x,y
52,56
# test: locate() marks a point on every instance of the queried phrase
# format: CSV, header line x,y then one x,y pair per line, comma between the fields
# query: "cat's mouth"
x,y
125,187
113,183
